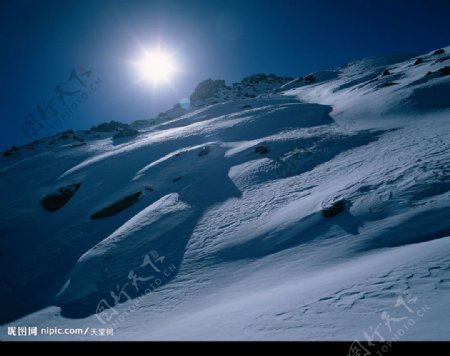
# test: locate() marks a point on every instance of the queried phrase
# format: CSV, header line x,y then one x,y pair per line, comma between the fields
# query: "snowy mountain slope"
x,y
210,224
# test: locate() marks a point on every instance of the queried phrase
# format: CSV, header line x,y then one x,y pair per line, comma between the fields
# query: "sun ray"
x,y
156,66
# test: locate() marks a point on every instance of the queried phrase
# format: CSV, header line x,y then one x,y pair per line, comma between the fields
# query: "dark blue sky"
x,y
44,41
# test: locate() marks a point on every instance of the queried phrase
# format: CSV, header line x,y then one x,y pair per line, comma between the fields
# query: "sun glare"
x,y
157,66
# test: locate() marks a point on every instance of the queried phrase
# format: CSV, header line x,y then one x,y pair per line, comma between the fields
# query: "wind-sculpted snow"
x,y
232,232
109,264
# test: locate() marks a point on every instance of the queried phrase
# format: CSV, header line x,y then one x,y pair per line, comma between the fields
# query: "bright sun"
x,y
157,66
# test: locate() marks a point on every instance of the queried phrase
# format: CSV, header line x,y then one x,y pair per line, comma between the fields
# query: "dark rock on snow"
x,y
439,51
204,151
78,144
333,208
11,151
444,71
117,207
387,84
441,72
262,150
55,201
207,89
443,59
109,127
310,78
125,133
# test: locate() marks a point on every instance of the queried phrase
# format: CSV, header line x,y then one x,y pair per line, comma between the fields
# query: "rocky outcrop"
x,y
444,71
439,51
128,132
333,208
11,151
442,59
206,89
117,207
310,78
109,127
441,72
386,84
262,150
265,78
57,200
204,151
211,92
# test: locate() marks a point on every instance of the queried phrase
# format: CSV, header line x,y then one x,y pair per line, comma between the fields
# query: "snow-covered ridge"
x,y
304,212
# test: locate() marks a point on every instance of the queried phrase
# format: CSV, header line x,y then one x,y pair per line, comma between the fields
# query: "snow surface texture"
x,y
216,226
